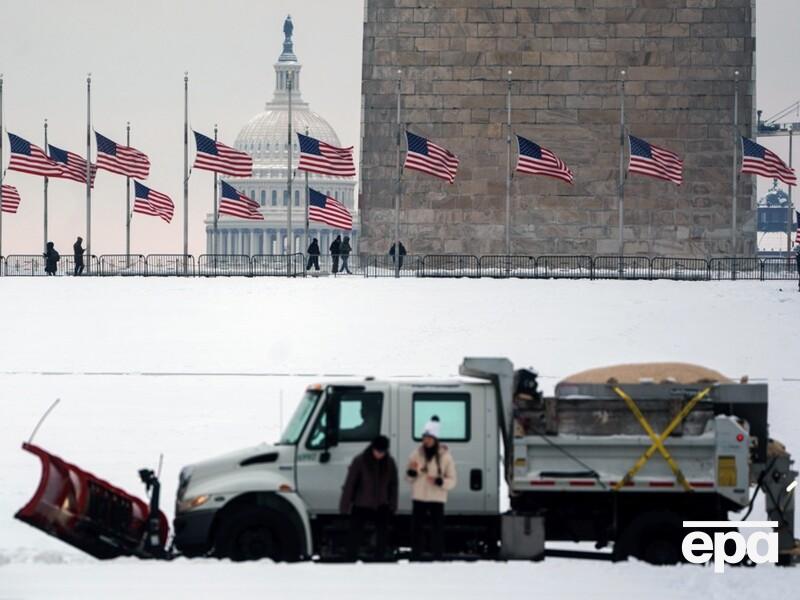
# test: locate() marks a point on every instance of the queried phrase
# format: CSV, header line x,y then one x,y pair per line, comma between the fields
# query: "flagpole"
x,y
789,207
508,170
185,170
736,143
397,187
734,180
215,206
289,235
89,171
2,173
621,170
127,202
46,181
305,234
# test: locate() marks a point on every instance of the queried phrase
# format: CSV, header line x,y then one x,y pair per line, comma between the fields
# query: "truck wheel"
x,y
255,533
654,537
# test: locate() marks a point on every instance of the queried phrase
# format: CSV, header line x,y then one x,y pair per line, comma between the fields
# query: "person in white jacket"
x,y
431,471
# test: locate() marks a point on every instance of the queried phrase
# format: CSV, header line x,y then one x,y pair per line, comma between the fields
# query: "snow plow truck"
x,y
620,456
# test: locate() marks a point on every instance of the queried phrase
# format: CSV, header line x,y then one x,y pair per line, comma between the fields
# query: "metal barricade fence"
x,y
129,265
780,268
164,265
679,269
383,265
431,265
498,266
33,265
450,265
734,268
563,267
225,265
621,267
277,265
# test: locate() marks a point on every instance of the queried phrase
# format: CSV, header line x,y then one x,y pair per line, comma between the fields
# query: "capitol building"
x,y
264,138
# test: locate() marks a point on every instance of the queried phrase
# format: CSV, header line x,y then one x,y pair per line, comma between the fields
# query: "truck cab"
x,y
282,501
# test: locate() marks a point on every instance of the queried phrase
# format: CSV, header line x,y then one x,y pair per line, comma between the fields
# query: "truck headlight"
x,y
193,502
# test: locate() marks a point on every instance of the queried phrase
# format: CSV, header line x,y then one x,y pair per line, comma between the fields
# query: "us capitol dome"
x,y
264,138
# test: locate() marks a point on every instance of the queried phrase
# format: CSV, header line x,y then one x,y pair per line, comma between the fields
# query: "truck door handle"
x,y
476,480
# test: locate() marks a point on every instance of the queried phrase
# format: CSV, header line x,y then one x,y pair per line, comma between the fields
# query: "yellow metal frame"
x,y
657,440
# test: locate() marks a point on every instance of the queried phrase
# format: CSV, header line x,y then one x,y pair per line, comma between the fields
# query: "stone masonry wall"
x,y
566,57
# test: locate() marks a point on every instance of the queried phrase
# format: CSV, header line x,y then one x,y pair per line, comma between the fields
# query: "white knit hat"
x,y
432,428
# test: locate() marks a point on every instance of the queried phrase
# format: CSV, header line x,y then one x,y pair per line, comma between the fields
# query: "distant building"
x,y
774,215
264,137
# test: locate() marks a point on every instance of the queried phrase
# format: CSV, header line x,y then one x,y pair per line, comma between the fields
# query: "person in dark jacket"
x,y
369,494
344,250
402,253
51,259
797,258
336,248
313,255
77,247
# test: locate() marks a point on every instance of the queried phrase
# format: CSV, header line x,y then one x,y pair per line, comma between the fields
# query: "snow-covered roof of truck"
x,y
657,372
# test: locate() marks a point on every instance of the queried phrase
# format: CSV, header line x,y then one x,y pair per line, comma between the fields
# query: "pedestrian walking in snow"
x,y
78,250
431,471
313,255
344,250
335,249
51,257
369,495
797,258
402,253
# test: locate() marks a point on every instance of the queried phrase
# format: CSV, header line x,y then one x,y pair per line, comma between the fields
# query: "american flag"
x,y
757,159
534,159
319,157
10,199
73,166
651,160
215,156
122,160
232,203
151,202
27,158
423,155
324,209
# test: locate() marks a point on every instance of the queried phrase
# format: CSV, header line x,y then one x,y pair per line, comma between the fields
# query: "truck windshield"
x,y
301,414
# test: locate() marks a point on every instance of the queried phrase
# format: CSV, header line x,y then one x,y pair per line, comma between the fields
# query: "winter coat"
x,y
345,248
51,260
78,250
370,483
422,475
402,250
335,247
313,249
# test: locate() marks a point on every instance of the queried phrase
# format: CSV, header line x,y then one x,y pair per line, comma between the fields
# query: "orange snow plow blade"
x,y
88,512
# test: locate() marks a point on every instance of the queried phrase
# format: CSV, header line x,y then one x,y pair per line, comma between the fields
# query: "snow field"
x,y
121,354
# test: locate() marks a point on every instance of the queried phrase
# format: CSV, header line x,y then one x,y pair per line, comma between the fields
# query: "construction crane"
x,y
773,126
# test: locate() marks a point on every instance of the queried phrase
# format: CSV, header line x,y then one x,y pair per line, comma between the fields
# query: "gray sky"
x,y
137,53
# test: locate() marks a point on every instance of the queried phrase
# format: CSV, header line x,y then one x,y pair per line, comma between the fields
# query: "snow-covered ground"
x,y
192,368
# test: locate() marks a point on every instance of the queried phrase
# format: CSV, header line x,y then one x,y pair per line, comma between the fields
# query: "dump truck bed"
x,y
592,437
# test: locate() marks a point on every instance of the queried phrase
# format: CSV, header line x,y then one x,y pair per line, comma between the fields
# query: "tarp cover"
x,y
657,372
